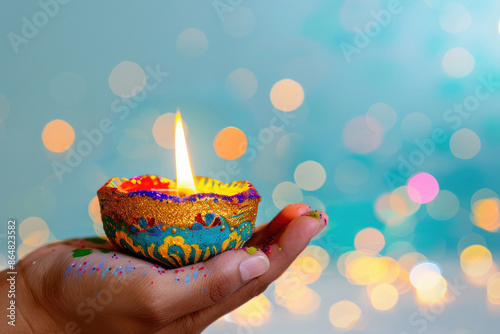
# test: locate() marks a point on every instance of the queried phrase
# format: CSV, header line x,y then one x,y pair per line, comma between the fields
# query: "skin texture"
x,y
53,296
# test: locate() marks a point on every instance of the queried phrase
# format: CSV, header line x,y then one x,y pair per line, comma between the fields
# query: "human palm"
x,y
86,285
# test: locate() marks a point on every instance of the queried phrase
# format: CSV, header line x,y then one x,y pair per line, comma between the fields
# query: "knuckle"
x,y
220,288
259,289
190,323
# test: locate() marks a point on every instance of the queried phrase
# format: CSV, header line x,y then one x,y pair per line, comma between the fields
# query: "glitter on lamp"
x,y
422,188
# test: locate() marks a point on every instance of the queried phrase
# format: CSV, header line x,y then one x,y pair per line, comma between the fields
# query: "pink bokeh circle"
x,y
423,188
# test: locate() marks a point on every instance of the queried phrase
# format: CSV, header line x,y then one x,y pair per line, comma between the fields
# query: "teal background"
x,y
401,66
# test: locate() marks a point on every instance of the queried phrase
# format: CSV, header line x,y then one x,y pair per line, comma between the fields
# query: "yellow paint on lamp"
x,y
184,173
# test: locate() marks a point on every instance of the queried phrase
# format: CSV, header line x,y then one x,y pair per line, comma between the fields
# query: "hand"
x,y
85,285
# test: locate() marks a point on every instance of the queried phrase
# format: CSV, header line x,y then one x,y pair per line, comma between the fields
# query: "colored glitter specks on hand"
x,y
318,215
251,250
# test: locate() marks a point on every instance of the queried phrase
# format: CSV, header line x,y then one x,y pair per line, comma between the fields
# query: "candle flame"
x,y
184,173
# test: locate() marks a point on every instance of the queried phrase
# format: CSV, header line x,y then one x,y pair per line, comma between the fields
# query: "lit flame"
x,y
184,173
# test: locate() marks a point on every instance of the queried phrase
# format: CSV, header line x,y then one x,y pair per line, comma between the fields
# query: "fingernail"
x,y
253,267
321,217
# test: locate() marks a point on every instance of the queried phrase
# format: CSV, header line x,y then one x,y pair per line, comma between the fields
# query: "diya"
x,y
177,223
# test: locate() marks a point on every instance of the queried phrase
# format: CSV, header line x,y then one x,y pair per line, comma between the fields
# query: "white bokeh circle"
x,y
127,79
286,193
465,144
310,175
458,63
192,42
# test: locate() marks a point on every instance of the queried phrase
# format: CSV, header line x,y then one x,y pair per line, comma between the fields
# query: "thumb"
x,y
206,283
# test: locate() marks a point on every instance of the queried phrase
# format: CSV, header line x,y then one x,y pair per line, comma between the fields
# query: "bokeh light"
x,y
58,136
465,144
33,231
318,253
366,270
230,143
384,210
310,175
434,293
454,18
476,260
384,297
288,288
486,214
344,314
314,202
469,240
458,62
3,262
307,304
360,137
401,203
444,207
287,95
384,115
242,83
425,275
95,210
306,268
370,241
423,188
493,289
253,313
286,193
24,249
192,42
127,79
164,130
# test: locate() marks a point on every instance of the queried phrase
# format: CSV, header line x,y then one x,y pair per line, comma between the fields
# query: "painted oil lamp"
x,y
180,222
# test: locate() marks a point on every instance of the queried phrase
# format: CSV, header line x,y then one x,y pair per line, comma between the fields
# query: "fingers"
x,y
294,239
273,228
282,253
205,284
